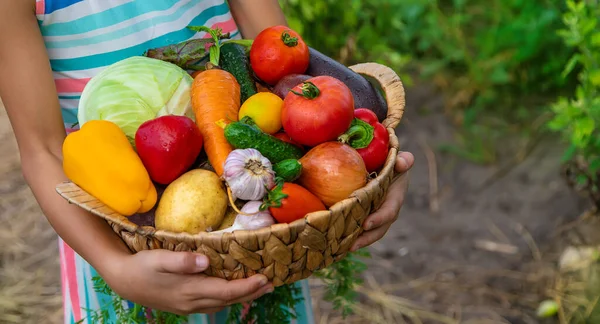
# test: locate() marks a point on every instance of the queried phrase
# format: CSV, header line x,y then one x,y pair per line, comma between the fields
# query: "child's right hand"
x,y
172,282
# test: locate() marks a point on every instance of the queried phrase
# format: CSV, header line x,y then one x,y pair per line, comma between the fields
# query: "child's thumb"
x,y
180,262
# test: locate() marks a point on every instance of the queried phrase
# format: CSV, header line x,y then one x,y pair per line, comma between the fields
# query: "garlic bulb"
x,y
259,219
249,174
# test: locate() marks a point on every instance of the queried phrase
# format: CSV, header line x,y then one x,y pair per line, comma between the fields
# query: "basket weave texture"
x,y
285,253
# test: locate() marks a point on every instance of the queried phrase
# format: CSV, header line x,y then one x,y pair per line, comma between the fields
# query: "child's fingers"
x,y
229,291
266,289
177,262
404,162
203,305
369,237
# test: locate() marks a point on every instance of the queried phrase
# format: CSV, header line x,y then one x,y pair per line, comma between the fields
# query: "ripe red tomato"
x,y
296,202
276,52
317,110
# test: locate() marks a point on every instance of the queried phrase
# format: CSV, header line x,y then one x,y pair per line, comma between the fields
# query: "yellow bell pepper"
x,y
100,159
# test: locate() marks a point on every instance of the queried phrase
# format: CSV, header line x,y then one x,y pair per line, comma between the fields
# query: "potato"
x,y
195,202
230,215
228,219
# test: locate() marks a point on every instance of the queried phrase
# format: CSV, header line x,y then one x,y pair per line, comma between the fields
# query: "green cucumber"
x,y
233,59
289,170
245,134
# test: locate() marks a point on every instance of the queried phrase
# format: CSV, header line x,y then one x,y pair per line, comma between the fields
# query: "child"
x,y
49,49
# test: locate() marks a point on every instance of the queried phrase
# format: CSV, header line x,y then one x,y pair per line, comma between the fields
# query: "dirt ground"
x,y
472,250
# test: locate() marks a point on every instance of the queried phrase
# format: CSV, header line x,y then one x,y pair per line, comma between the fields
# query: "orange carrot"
x,y
215,99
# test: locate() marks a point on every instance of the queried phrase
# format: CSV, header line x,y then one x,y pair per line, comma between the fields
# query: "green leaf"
x,y
571,65
595,77
569,153
581,179
215,53
215,49
276,307
341,279
500,76
243,42
214,33
136,314
558,123
594,165
582,129
595,40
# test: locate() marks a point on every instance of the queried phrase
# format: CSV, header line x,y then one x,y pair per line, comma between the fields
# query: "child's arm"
x,y
252,16
160,279
28,92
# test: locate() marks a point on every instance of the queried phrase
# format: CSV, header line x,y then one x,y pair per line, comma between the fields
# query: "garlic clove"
x,y
258,219
248,174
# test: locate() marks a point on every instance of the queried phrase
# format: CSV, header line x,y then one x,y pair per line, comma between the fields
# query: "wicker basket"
x,y
285,253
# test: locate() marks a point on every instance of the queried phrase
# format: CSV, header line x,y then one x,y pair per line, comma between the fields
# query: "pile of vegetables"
x,y
265,128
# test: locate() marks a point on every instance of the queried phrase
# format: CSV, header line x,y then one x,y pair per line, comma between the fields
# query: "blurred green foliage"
x,y
350,31
577,117
499,62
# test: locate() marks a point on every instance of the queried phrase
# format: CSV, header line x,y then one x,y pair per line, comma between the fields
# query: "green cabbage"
x,y
136,90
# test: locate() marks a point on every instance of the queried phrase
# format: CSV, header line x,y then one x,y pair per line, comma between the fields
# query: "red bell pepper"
x,y
369,137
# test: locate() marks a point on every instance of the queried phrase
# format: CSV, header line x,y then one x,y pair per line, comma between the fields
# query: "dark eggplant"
x,y
288,82
364,93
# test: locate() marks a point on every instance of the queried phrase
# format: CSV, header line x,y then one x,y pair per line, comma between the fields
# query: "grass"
x,y
385,303
576,285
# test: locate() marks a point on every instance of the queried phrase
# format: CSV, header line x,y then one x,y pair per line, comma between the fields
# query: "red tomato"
x,y
296,202
286,138
317,110
276,52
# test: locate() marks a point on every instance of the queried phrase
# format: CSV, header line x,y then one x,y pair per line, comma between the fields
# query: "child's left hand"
x,y
378,223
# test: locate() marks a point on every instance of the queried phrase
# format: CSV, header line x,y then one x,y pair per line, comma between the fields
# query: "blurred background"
x,y
500,224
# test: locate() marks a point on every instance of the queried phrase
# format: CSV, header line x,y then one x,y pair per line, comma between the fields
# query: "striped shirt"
x,y
82,38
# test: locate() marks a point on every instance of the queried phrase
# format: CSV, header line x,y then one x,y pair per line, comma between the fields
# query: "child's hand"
x,y
378,223
171,281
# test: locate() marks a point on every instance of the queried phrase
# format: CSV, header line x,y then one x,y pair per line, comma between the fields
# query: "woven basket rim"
x,y
395,96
